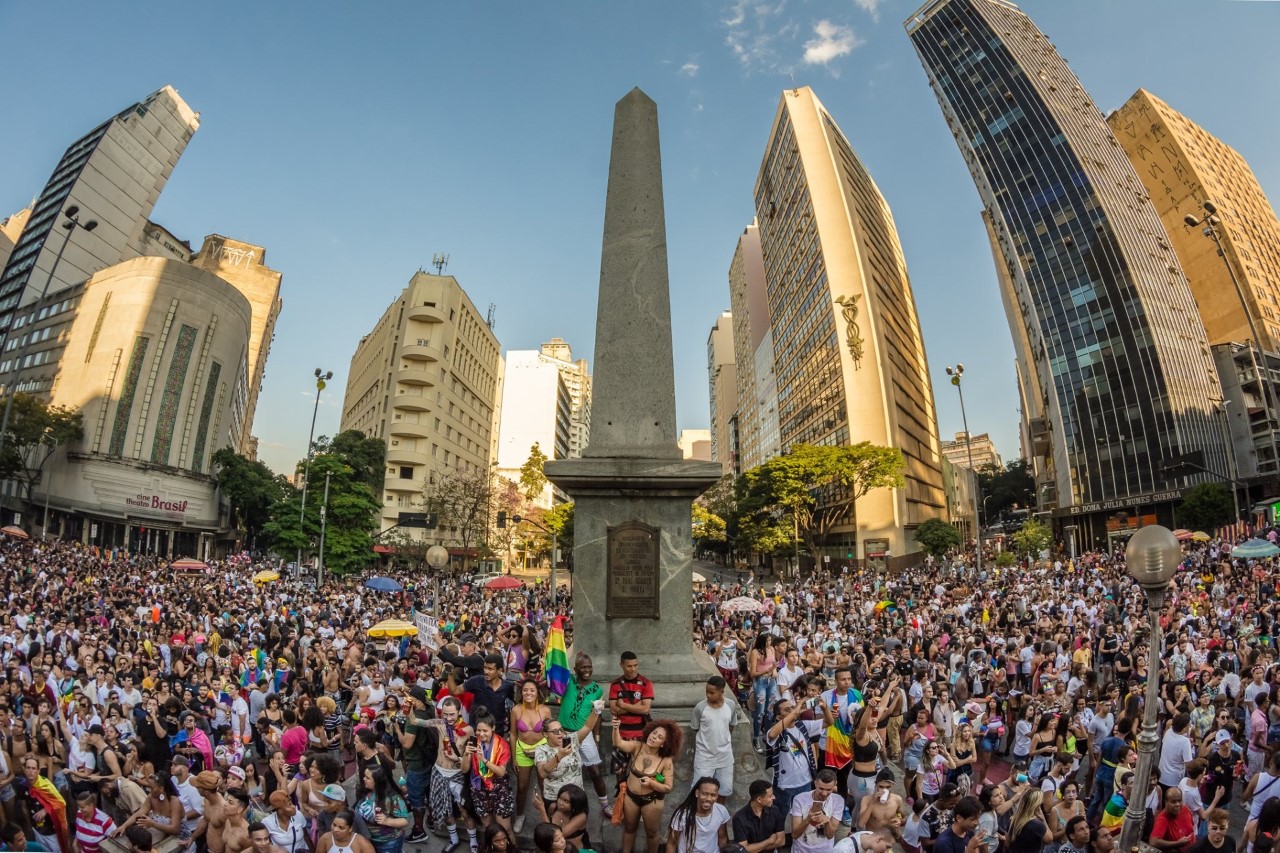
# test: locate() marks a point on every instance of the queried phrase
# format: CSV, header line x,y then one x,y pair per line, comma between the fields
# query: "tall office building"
x,y
546,399
113,174
722,376
1181,165
757,419
1113,360
244,266
425,380
847,350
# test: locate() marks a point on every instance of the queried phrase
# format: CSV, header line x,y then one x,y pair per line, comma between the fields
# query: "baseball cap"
x,y
335,793
237,772
1222,736
181,760
420,695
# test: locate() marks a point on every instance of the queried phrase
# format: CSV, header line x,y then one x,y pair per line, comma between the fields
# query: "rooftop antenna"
x,y
489,318
439,260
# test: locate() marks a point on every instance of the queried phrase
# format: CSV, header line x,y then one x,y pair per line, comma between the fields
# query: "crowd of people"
x,y
937,710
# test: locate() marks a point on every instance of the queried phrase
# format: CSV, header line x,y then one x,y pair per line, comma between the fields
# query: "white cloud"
x,y
832,41
871,7
689,69
754,30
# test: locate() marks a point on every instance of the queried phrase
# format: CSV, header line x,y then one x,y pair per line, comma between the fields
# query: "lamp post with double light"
x,y
321,378
73,222
955,373
1152,557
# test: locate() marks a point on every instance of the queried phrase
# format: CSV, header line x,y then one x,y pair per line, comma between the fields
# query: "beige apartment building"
x,y
848,355
426,381
722,373
1181,165
979,447
756,421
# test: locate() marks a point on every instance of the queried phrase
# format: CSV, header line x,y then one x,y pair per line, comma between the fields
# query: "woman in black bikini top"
x,y
650,777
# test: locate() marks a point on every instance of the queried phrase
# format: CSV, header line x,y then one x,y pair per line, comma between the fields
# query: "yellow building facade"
x,y
1181,165
848,354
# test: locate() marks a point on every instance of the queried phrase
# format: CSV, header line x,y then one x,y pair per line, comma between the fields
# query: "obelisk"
x,y
632,583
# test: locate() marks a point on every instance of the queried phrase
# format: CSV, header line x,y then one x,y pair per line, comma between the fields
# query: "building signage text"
x,y
156,502
1123,503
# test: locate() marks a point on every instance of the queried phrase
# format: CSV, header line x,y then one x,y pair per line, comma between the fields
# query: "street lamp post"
x,y
324,517
321,378
73,222
1152,557
437,557
1210,222
955,373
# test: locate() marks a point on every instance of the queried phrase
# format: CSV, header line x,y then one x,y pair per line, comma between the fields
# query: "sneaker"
x,y
418,834
607,811
519,824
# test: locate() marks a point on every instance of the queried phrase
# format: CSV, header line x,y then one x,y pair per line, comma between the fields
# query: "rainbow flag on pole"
x,y
556,659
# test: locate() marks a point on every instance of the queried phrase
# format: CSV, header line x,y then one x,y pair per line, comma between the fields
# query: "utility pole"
x,y
324,515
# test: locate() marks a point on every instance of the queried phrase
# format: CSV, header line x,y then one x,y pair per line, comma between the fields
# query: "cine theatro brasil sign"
x,y
156,502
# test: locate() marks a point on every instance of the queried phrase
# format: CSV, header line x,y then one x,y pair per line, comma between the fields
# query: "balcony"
x,y
409,430
414,376
393,483
420,352
399,456
427,313
411,403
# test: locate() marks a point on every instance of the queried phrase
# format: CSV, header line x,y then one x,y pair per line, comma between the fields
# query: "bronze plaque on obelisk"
x,y
634,551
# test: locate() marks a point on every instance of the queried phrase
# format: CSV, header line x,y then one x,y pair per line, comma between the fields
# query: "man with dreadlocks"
x,y
699,824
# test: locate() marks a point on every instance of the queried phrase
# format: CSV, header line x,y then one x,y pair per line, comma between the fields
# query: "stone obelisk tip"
x,y
633,407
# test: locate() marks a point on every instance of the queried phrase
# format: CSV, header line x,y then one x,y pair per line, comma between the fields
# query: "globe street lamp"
x,y
321,378
955,373
73,222
437,557
1152,557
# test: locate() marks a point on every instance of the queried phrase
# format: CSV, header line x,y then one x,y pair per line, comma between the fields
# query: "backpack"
x,y
774,750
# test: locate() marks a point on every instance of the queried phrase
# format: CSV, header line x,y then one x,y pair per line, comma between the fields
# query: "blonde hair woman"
x,y
1028,833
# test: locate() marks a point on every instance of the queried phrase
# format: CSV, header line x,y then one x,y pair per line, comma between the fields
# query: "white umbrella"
x,y
697,578
742,604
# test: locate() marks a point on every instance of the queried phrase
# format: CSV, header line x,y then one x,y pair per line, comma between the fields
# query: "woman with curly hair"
x,y
650,776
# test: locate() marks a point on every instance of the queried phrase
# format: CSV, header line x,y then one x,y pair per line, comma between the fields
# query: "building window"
x,y
406,472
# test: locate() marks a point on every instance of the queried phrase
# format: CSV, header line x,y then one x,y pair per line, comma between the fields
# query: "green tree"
x,y
1206,506
1034,537
36,430
352,516
1007,487
559,520
1005,559
506,499
365,455
533,478
707,526
817,487
938,537
252,488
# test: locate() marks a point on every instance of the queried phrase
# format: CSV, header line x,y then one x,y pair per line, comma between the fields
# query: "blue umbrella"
x,y
1255,549
383,584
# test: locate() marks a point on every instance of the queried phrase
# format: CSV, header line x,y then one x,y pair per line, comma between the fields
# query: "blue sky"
x,y
355,140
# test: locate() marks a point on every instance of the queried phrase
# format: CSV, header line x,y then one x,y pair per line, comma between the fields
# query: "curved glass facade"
x,y
1100,305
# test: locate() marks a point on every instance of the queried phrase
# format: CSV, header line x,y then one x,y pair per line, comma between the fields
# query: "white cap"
x,y
1222,736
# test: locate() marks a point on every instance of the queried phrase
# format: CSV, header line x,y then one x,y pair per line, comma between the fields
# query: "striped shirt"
x,y
91,831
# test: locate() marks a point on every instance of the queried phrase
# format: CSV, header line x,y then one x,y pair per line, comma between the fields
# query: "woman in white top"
x,y
342,838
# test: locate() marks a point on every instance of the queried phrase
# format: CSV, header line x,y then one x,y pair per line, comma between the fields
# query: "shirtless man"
x,y
883,810
235,829
213,822
260,840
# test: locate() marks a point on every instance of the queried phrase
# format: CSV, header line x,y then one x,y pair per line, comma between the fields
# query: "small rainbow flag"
x,y
556,659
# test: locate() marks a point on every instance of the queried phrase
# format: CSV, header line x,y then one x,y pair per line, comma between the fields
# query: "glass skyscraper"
x,y
1114,365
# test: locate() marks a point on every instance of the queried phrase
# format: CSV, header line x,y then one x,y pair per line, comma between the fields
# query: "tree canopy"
x,y
1206,506
36,429
533,477
251,487
1034,537
815,488
1007,487
937,537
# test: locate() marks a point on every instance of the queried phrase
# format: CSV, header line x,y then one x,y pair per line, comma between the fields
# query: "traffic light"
x,y
502,518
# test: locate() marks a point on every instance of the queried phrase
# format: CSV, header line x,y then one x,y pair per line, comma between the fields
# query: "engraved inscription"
x,y
632,593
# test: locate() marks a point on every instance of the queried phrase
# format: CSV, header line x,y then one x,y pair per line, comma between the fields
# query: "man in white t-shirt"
x,y
790,672
712,725
710,822
1175,751
815,815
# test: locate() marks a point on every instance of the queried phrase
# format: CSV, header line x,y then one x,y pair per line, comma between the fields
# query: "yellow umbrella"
x,y
1200,536
393,628
266,576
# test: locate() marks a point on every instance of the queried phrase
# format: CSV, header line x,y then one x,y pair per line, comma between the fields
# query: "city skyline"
x,y
355,170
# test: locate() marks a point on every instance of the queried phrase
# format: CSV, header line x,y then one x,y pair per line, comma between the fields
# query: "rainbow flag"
x,y
556,658
1113,813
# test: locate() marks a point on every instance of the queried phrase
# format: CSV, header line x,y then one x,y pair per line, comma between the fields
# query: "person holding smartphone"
x,y
815,815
